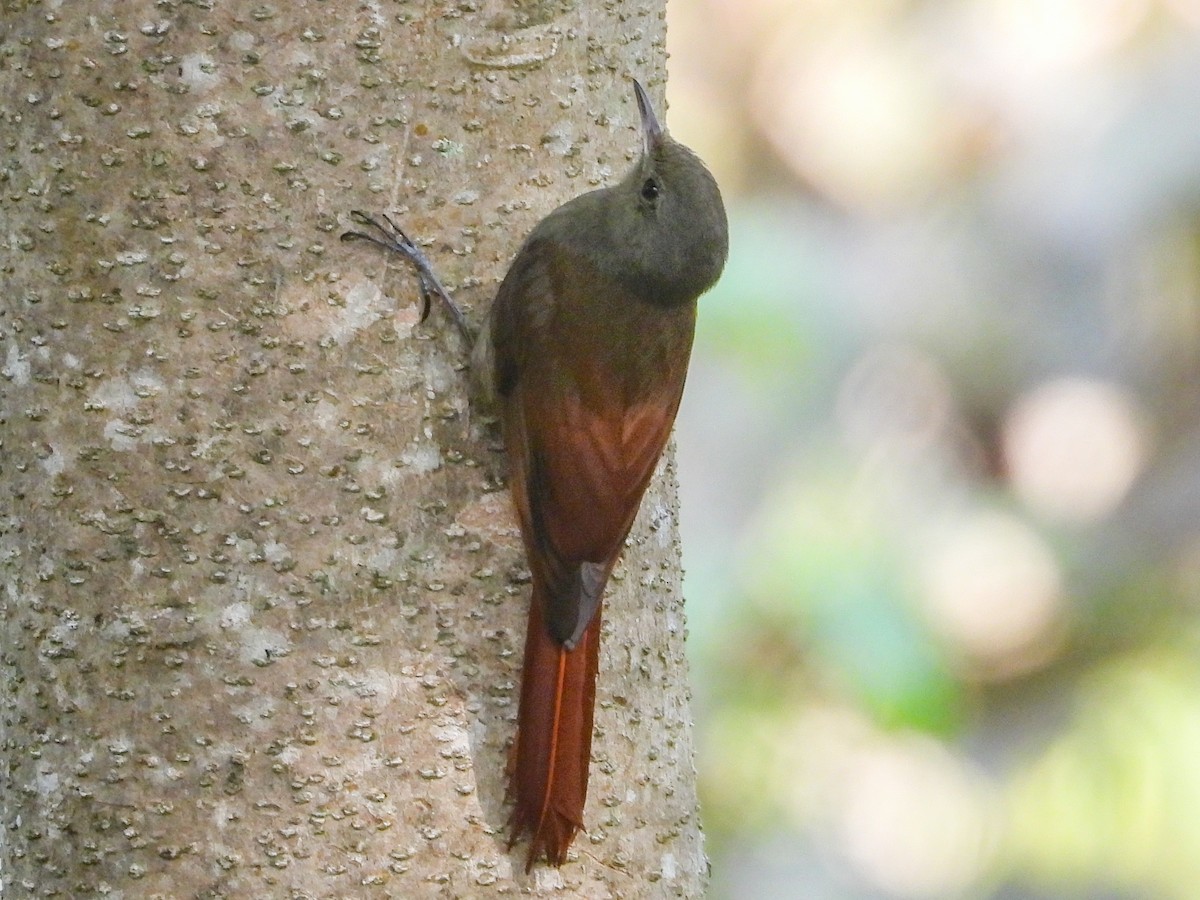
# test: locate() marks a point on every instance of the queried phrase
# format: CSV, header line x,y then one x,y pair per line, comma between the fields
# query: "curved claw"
x,y
392,237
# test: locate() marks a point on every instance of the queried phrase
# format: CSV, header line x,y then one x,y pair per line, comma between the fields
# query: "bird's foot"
x,y
390,236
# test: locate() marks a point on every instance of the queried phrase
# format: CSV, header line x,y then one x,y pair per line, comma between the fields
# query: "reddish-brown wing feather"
x,y
590,394
584,429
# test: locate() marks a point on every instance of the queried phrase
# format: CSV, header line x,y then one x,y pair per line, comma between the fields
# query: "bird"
x,y
584,355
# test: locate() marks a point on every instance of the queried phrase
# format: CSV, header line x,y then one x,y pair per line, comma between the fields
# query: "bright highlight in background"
x,y
914,819
993,590
1074,447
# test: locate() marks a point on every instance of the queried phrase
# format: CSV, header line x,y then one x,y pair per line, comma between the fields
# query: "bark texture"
x,y
262,592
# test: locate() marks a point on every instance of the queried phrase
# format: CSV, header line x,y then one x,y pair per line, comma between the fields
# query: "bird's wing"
x,y
583,439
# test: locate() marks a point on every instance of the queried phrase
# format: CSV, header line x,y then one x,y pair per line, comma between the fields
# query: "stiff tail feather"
x,y
549,766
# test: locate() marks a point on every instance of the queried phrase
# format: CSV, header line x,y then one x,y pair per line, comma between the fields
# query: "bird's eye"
x,y
651,190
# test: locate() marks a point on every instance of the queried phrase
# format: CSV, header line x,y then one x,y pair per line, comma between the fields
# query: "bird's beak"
x,y
652,132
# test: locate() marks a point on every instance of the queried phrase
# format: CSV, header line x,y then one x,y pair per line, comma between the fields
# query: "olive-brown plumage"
x,y
584,353
587,346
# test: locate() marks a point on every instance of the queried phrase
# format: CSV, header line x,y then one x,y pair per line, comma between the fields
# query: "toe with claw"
x,y
390,236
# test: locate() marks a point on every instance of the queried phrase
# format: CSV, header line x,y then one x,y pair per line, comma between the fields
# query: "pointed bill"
x,y
652,132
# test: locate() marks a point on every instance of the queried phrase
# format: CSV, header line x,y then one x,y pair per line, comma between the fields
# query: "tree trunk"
x,y
263,594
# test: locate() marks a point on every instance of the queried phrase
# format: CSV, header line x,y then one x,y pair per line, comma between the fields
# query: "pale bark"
x,y
263,599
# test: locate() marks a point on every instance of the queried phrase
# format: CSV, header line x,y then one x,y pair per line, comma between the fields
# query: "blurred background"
x,y
940,450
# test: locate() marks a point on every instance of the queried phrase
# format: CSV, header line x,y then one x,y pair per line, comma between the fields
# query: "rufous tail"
x,y
549,766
